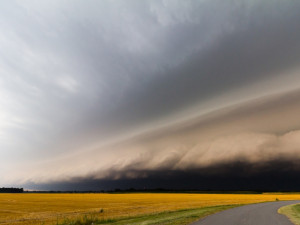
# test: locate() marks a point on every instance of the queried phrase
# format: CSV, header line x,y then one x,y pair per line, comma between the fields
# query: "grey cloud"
x,y
258,46
74,76
252,133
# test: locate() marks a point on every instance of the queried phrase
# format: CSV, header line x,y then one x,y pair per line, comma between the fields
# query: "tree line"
x,y
11,190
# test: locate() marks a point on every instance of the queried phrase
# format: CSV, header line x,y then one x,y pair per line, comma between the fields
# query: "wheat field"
x,y
16,209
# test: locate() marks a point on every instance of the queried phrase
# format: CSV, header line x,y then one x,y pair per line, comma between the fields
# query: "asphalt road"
x,y
255,214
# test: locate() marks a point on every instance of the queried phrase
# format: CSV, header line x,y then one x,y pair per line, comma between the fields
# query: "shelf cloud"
x,y
257,136
96,92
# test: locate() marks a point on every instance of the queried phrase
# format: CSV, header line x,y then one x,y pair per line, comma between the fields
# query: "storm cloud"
x,y
259,137
111,90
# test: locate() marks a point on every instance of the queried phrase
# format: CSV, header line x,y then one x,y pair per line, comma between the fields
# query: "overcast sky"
x,y
94,89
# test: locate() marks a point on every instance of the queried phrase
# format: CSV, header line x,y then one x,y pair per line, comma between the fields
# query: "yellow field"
x,y
38,208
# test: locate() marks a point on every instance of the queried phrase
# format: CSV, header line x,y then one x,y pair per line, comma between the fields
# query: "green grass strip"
x,y
179,217
292,212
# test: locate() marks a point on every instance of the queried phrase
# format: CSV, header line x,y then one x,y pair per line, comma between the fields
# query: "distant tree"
x,y
11,190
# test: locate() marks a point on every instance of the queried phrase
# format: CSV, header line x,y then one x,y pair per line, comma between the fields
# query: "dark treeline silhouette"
x,y
156,190
11,190
163,190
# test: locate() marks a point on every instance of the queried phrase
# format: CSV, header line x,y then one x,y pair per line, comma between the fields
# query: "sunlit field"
x,y
53,208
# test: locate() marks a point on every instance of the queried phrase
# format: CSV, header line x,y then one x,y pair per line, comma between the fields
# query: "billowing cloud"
x,y
256,134
85,88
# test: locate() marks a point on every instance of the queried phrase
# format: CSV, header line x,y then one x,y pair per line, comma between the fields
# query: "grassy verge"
x,y
292,212
180,217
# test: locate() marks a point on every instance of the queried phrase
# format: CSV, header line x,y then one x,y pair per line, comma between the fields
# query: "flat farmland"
x,y
33,208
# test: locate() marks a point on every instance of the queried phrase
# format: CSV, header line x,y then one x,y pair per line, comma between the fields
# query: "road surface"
x,y
255,214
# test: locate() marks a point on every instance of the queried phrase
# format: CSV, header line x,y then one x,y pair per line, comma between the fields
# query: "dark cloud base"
x,y
276,175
